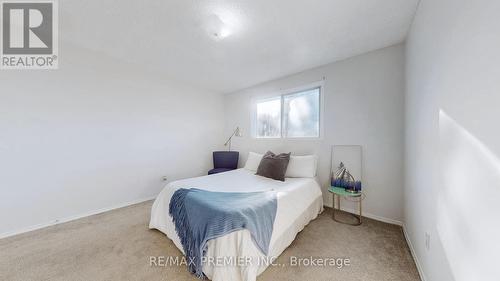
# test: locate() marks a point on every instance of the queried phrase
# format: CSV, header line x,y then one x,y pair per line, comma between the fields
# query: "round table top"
x,y
342,192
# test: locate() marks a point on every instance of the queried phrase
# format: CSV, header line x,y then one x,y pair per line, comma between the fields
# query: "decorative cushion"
x,y
273,166
253,161
302,166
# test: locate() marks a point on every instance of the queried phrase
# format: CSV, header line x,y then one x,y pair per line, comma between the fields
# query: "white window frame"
x,y
281,94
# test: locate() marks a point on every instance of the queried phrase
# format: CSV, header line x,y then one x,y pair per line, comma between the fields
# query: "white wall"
x,y
452,188
95,134
363,105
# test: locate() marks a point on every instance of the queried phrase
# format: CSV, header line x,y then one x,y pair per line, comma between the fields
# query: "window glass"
x,y
301,114
268,119
293,115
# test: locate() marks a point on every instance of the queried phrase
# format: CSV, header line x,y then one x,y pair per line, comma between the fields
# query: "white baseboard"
x,y
372,216
415,258
67,219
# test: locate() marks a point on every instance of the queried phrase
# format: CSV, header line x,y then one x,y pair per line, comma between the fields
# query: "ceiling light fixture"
x,y
217,28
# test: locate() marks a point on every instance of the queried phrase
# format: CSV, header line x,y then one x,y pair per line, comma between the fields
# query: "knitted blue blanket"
x,y
201,215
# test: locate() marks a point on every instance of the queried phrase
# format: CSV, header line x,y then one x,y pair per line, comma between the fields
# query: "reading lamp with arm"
x,y
236,133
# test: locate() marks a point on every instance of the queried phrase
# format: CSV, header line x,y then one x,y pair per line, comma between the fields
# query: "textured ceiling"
x,y
267,39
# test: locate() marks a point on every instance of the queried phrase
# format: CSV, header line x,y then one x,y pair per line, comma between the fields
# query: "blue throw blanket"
x,y
201,215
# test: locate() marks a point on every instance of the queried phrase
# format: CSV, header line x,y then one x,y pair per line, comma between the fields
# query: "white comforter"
x,y
299,202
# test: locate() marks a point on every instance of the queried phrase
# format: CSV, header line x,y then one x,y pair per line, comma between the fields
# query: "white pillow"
x,y
253,161
302,167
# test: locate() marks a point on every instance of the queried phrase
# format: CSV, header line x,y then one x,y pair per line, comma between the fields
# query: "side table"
x,y
340,192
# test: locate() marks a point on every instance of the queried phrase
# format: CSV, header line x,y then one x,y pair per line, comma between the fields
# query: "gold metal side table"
x,y
340,192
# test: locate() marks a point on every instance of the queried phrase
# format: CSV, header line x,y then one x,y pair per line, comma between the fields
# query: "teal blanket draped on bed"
x,y
201,215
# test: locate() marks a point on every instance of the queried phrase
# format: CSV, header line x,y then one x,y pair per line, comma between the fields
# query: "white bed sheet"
x,y
299,202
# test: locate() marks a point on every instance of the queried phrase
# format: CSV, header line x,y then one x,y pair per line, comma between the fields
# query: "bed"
x,y
299,202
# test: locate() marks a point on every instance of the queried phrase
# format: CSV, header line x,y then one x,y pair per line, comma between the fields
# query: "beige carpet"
x,y
117,245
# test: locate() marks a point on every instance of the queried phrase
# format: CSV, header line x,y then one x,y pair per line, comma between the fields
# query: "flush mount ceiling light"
x,y
217,28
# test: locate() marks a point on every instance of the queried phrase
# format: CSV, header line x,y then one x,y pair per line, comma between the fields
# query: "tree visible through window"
x,y
293,115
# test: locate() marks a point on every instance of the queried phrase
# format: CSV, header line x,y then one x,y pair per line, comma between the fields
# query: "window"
x,y
269,118
291,115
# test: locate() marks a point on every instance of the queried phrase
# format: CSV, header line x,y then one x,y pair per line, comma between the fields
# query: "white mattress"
x,y
299,202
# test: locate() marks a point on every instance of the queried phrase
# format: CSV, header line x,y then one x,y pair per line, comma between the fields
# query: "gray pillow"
x,y
273,166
